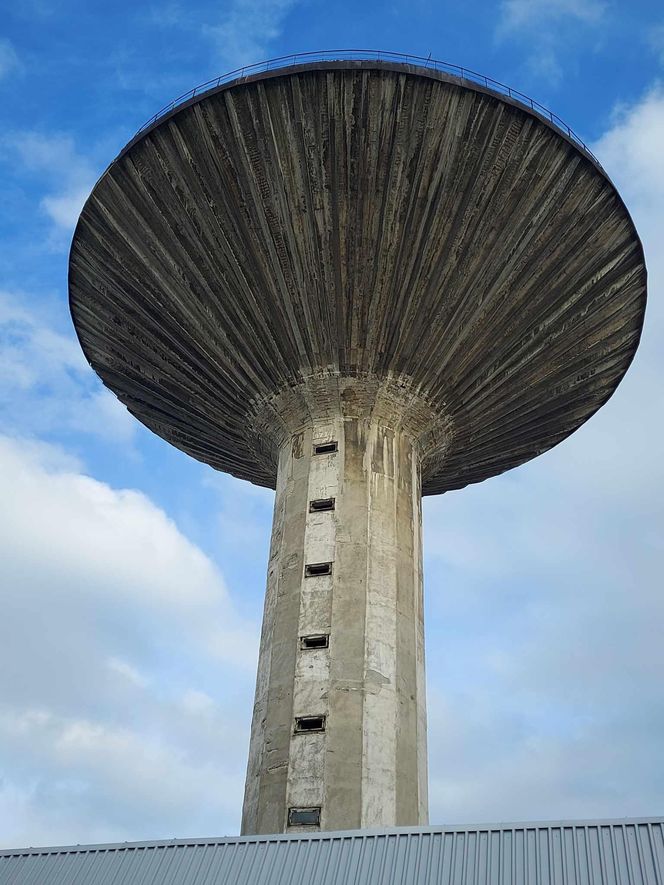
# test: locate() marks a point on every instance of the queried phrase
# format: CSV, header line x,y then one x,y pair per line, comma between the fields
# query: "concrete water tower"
x,y
355,281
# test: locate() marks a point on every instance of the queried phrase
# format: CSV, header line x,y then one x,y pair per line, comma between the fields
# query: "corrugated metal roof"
x,y
620,852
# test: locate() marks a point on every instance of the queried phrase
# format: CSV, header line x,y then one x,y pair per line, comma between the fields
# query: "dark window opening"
x,y
326,448
320,640
304,817
320,504
309,723
318,568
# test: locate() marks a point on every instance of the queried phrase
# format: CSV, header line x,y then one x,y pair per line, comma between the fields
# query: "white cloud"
x,y
544,587
632,151
143,558
548,29
45,383
64,209
240,34
64,173
244,512
134,773
126,675
246,29
166,15
656,41
519,14
230,35
9,60
124,668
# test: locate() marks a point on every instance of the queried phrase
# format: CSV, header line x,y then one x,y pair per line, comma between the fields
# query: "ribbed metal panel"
x,y
627,852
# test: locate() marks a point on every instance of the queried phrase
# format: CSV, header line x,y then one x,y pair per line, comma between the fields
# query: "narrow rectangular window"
x,y
304,817
320,504
309,723
319,640
314,569
326,448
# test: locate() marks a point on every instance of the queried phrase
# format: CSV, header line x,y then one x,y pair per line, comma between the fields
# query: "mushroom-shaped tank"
x,y
358,220
415,271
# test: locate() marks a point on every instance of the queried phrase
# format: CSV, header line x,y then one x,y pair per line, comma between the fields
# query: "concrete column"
x,y
368,767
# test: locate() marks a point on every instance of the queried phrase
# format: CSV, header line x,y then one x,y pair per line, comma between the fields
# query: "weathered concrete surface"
x,y
417,268
368,768
368,220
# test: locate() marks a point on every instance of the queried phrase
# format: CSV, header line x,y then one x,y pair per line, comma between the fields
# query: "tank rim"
x,y
370,59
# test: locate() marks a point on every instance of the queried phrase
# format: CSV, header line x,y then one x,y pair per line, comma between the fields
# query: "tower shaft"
x,y
356,507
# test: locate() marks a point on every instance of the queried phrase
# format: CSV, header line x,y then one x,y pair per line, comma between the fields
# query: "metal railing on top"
x,y
286,61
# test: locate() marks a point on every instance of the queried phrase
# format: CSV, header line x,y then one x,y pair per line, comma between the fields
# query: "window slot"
x,y
326,448
319,640
320,504
314,569
309,723
304,817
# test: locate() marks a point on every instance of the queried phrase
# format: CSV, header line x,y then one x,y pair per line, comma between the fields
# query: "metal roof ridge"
x,y
329,835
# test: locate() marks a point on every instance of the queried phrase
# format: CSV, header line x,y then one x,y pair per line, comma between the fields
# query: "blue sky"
x,y
132,577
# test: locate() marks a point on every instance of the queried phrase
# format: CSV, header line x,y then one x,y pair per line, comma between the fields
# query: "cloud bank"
x,y
546,586
45,382
125,671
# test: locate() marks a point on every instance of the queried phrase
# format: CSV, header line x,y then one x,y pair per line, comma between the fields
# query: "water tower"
x,y
356,281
